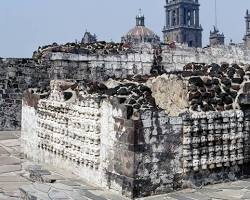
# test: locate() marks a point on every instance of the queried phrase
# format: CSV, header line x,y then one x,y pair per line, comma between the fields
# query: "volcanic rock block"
x,y
226,81
246,87
218,89
197,81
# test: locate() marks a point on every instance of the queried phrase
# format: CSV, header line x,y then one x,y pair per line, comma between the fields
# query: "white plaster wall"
x,y
29,138
181,55
173,58
105,125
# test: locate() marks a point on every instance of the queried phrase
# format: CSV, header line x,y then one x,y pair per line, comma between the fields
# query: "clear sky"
x,y
26,24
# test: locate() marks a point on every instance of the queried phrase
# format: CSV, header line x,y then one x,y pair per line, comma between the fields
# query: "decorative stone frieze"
x,y
213,140
71,131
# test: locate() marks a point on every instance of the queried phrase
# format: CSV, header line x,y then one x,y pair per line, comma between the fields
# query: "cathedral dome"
x,y
140,33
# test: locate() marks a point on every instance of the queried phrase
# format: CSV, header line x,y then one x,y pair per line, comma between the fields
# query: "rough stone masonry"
x,y
128,136
132,120
97,61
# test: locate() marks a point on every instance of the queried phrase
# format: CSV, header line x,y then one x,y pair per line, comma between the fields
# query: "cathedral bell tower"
x,y
247,36
182,22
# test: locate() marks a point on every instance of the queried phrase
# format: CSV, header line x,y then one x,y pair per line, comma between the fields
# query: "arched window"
x,y
173,18
194,13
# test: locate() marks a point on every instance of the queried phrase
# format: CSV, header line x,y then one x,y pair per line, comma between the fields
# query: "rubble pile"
x,y
214,87
100,48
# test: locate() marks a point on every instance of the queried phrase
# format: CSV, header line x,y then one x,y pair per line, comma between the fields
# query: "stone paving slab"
x,y
3,151
10,143
12,178
10,168
7,160
7,135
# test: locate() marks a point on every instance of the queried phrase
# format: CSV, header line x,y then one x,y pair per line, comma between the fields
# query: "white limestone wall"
x,y
173,58
127,64
29,138
76,136
69,137
64,135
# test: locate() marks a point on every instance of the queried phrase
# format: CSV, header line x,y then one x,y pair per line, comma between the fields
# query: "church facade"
x,y
183,23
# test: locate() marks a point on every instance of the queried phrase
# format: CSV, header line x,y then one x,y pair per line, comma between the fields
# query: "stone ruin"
x,y
145,135
132,120
98,47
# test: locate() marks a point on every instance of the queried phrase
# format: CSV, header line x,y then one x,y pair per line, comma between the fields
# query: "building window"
x,y
185,16
168,18
190,43
174,18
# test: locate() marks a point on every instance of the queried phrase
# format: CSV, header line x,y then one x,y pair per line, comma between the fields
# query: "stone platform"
x,y
22,179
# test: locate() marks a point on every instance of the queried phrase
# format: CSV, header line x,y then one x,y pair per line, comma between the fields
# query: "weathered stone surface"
x,y
6,160
10,143
63,181
12,178
6,135
170,93
141,151
9,168
74,62
3,151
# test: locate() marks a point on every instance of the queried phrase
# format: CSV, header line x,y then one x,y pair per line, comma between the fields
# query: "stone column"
x,y
247,25
177,16
170,17
181,16
167,18
197,17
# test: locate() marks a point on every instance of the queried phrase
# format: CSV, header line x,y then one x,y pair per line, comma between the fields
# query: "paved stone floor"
x,y
22,179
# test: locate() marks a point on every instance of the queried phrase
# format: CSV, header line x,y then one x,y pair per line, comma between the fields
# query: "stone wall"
x,y
91,135
120,139
158,150
148,154
66,134
215,147
17,75
175,58
172,59
190,151
100,67
117,143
